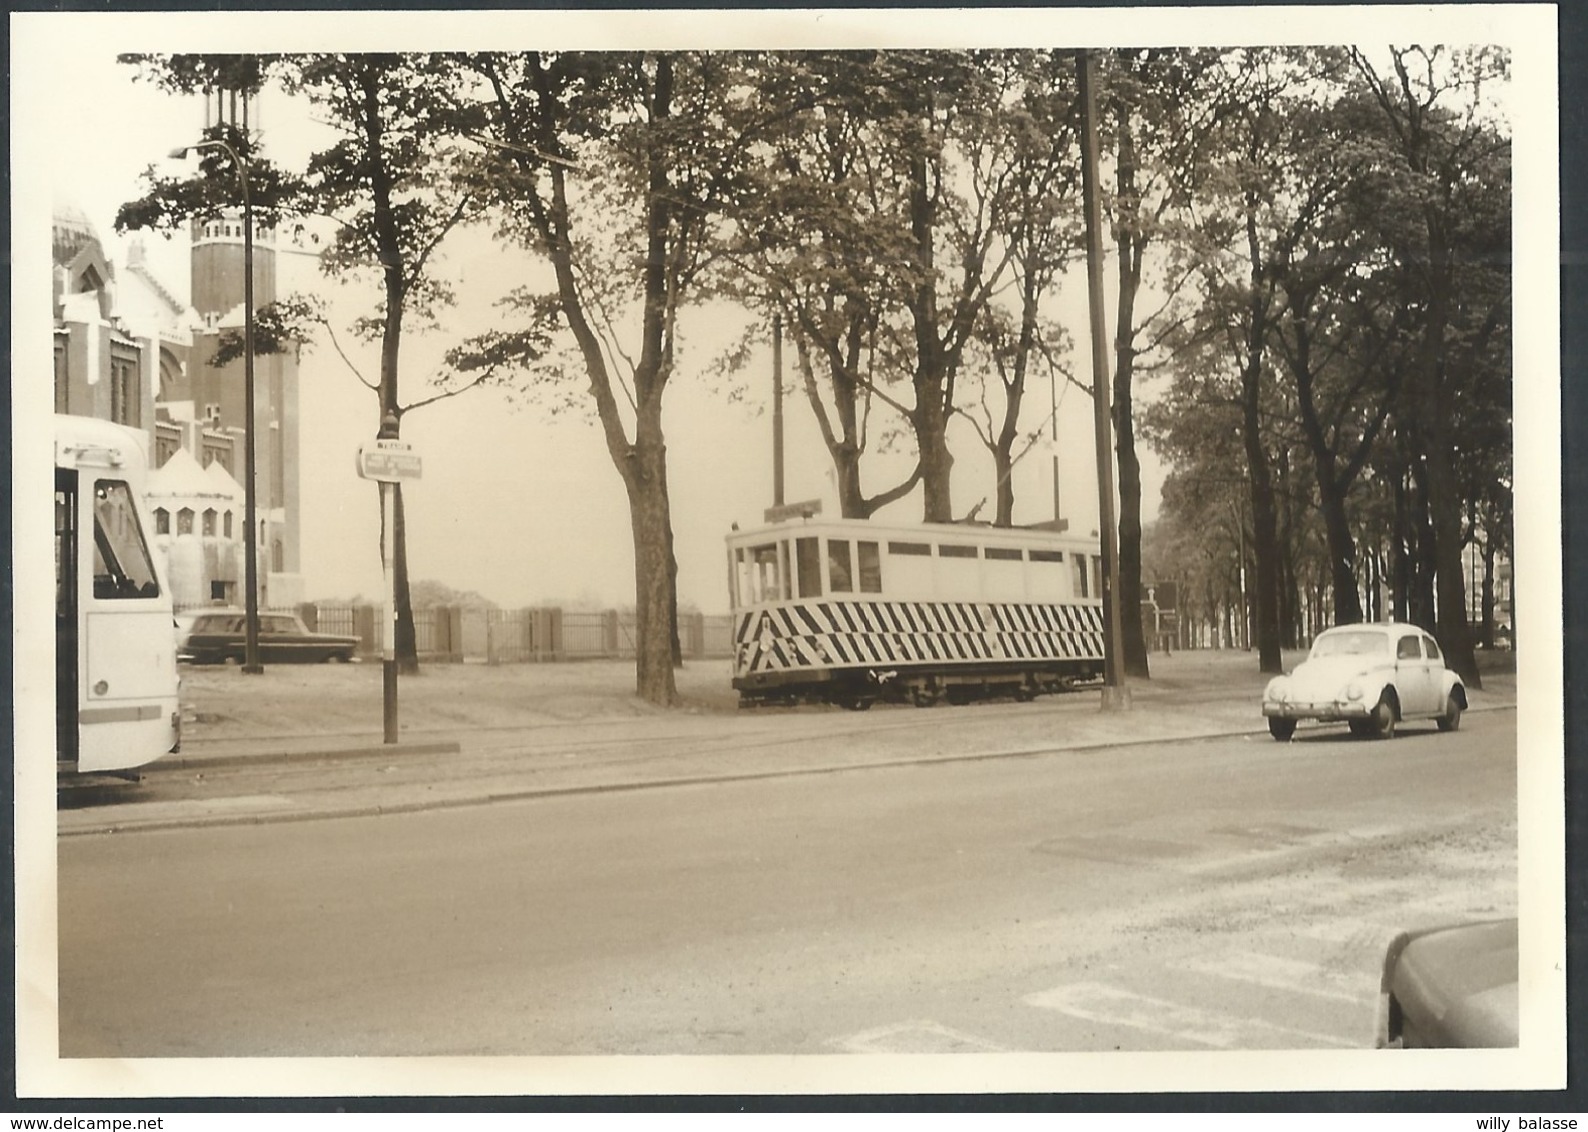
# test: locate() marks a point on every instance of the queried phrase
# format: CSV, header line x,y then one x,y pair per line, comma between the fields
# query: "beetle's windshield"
x,y
1363,643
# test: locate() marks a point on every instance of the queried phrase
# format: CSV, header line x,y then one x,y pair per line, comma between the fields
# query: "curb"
x,y
317,754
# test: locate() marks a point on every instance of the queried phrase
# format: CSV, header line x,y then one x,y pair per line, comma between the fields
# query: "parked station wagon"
x,y
217,636
1372,676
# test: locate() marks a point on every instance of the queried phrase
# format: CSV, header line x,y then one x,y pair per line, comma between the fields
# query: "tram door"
x,y
66,575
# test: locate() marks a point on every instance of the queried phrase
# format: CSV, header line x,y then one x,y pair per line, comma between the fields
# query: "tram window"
x,y
952,550
922,548
840,579
1097,575
65,584
870,567
1078,564
807,556
1012,553
122,567
1043,555
764,584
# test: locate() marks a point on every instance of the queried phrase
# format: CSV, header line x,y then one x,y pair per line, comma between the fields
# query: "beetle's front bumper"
x,y
1330,711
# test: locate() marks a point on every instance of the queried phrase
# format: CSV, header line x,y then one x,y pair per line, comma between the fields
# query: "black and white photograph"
x,y
775,552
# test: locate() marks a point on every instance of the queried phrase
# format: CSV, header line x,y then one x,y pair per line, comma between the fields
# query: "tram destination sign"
x,y
785,511
389,461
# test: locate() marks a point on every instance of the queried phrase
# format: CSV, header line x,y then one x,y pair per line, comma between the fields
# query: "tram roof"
x,y
978,533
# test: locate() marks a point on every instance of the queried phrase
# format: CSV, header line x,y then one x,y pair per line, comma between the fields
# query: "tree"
x,y
1162,110
616,167
385,184
1030,125
1242,297
876,229
1340,329
816,245
1442,130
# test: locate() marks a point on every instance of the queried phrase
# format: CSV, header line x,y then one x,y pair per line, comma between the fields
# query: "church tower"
x,y
218,258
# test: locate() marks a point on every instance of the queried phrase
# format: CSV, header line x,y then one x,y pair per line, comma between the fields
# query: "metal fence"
x,y
510,636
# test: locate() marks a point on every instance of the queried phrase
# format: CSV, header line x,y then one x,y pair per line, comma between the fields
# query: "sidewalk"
x,y
471,732
293,712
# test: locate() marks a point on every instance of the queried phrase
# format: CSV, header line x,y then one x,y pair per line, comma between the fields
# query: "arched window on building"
x,y
209,521
227,524
278,557
162,521
184,521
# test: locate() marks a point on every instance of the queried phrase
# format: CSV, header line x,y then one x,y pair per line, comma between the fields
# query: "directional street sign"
x,y
389,461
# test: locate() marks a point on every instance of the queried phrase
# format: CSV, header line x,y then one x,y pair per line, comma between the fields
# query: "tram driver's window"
x,y
122,567
1079,565
870,567
807,556
765,586
840,579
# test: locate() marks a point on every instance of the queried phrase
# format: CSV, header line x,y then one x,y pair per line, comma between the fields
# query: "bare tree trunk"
x,y
1265,534
654,611
407,638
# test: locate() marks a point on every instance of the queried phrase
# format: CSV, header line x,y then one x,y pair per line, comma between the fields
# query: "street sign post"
x,y
389,461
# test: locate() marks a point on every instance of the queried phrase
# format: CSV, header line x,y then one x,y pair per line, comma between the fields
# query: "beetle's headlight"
x,y
1353,690
1275,689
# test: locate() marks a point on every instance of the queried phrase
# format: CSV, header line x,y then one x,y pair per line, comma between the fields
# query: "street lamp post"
x,y
251,662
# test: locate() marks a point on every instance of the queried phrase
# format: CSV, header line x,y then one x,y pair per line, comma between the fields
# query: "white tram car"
x,y
853,611
116,694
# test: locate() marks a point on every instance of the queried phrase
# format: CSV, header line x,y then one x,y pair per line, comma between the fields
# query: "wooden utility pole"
x,y
1116,696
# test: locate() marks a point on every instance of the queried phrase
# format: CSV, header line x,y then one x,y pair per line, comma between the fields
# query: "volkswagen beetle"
x,y
1372,676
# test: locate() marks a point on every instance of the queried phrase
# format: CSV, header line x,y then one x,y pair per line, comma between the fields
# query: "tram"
x,y
116,699
855,612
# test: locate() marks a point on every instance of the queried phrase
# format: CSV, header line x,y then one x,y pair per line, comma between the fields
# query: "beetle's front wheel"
x,y
1381,724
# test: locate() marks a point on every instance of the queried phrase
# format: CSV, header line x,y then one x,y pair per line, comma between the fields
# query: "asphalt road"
x,y
1219,894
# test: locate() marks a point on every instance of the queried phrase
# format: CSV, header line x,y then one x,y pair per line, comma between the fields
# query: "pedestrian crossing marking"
x,y
1271,971
1112,1006
922,1036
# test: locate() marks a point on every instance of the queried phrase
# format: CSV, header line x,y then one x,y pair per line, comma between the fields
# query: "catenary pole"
x,y
1116,696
